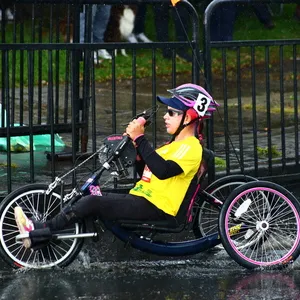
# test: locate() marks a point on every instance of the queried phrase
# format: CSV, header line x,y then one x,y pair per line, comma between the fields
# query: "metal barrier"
x,y
37,98
259,126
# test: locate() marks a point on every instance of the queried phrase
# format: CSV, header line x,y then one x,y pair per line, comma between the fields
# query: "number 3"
x,y
202,104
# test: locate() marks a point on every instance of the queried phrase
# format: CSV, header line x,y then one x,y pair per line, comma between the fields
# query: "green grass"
x,y
264,152
247,27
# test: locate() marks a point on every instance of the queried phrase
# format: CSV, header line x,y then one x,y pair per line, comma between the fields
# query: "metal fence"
x,y
259,124
51,85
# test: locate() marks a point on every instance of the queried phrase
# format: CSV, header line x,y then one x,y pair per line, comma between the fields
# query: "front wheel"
x,y
39,207
259,225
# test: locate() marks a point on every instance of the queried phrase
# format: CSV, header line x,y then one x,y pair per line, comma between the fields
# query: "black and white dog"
x,y
121,24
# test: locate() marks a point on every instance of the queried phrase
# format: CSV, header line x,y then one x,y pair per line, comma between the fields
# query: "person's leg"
x,y
215,24
228,16
100,21
161,19
139,23
222,22
89,11
110,206
263,15
82,24
182,21
297,12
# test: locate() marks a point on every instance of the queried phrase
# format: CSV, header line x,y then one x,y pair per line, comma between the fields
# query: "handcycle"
x,y
257,222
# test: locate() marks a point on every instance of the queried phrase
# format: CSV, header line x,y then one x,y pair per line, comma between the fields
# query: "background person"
x,y
100,18
181,20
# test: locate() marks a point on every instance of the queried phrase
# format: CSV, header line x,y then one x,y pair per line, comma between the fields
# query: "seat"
x,y
179,222
185,210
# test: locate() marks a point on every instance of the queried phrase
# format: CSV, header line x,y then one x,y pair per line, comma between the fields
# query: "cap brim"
x,y
172,102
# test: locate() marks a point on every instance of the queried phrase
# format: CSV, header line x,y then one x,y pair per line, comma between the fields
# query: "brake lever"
x,y
147,115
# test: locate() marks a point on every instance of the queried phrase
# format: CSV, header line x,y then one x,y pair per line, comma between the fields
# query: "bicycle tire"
x,y
207,215
38,206
253,225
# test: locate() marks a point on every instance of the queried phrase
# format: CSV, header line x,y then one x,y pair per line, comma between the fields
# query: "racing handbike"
x,y
257,222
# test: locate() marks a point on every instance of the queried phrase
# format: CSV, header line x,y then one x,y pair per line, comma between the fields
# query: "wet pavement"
x,y
210,275
106,269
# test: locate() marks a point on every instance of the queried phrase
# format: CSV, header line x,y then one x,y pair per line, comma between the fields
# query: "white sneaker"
x,y
104,54
132,39
97,60
24,225
142,38
9,15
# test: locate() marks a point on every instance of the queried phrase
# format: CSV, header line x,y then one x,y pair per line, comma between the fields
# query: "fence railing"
x,y
259,93
50,84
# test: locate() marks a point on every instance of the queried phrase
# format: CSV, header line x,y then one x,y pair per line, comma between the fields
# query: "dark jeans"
x,y
222,22
139,23
181,21
262,13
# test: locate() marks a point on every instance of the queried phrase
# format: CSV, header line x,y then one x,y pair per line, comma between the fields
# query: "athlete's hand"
x,y
134,129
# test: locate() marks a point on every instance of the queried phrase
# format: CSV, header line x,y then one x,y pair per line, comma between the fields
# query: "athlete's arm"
x,y
139,166
160,167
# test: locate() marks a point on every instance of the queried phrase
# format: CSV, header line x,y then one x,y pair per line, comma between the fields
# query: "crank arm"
x,y
57,236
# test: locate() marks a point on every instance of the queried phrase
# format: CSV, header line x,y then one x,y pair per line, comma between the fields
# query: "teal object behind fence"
x,y
41,142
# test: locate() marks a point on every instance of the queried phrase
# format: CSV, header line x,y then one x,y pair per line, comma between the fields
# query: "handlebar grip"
x,y
141,120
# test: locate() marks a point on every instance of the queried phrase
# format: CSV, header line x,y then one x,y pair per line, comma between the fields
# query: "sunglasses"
x,y
172,112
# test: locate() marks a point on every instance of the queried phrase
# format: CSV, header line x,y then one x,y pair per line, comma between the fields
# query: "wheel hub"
x,y
262,226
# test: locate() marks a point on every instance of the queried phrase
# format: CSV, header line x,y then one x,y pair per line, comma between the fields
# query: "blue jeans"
x,y
100,18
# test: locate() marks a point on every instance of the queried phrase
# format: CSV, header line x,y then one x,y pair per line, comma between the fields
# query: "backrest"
x,y
207,161
185,210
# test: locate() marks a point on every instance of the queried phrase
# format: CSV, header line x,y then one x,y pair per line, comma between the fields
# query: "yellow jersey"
x,y
169,193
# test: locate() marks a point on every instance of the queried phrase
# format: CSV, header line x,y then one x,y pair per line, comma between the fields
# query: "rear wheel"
x,y
39,207
260,225
206,222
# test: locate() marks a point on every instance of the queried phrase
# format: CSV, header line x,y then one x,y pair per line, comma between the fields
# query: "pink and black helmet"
x,y
188,96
